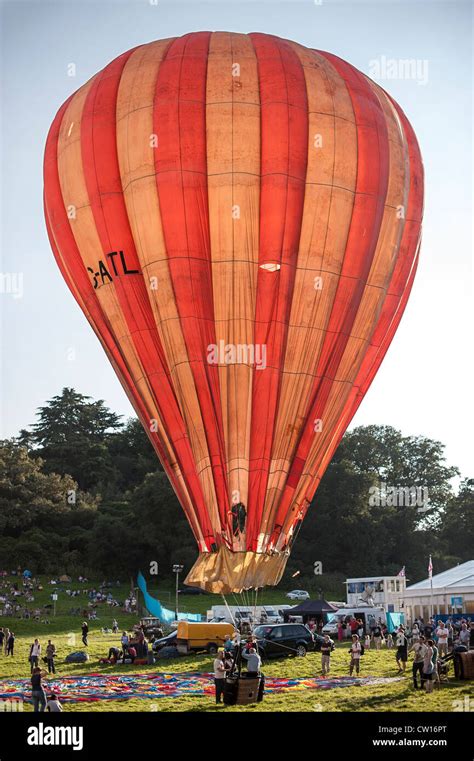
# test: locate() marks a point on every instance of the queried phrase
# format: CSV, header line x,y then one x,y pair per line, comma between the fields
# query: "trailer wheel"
x,y
212,648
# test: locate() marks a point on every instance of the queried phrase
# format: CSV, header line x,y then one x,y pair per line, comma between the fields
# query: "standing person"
x,y
37,690
377,635
2,637
253,661
7,634
353,625
355,651
85,632
125,644
10,643
442,635
50,654
402,649
464,635
428,666
326,649
35,652
340,631
415,633
360,628
114,626
449,626
419,649
219,675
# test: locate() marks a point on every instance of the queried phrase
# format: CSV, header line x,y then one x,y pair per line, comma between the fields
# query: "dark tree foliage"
x,y
125,515
72,435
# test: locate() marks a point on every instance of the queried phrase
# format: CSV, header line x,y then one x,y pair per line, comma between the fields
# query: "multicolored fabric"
x,y
94,687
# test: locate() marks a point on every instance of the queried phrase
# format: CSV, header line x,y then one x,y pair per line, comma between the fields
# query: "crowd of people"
x,y
430,643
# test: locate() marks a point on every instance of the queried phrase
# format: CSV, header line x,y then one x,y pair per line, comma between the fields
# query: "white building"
x,y
451,591
381,591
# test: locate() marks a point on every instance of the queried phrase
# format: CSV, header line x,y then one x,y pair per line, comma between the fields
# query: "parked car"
x,y
168,641
151,626
192,591
298,594
283,640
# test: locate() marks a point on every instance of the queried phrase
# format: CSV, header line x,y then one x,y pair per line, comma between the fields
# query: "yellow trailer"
x,y
202,636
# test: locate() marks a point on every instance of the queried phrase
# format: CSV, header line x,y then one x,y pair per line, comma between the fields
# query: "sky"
x,y
425,383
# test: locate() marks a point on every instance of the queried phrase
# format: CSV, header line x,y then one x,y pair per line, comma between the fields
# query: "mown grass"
x,y
64,630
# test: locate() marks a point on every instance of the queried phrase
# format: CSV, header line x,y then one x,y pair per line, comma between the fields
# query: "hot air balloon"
x,y
238,217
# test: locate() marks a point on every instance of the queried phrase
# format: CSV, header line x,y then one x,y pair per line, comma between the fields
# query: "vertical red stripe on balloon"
x,y
284,150
102,176
61,236
367,213
181,174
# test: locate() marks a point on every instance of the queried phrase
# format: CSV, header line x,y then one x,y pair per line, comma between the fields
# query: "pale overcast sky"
x,y
425,383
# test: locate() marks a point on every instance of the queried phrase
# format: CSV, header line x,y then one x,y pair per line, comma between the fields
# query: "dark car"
x,y
168,641
284,639
192,591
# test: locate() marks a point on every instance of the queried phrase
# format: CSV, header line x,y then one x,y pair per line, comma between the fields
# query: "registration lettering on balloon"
x,y
103,273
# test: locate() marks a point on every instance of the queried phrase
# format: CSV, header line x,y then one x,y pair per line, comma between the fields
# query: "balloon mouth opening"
x,y
226,572
271,266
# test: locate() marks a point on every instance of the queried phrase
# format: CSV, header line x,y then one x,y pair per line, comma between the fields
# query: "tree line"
x,y
82,491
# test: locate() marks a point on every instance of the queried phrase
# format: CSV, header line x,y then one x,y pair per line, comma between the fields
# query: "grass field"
x,y
64,630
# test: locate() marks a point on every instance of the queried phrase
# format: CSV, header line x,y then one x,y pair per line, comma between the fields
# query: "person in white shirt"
x,y
419,649
53,705
464,635
35,652
355,652
442,635
219,675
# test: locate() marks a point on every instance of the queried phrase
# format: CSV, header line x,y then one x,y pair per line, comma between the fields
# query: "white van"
x,y
370,616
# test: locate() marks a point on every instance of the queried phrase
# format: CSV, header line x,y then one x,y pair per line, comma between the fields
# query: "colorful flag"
x,y
402,572
430,569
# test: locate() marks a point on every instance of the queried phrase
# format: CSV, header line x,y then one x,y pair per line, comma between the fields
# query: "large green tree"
x,y
72,435
36,510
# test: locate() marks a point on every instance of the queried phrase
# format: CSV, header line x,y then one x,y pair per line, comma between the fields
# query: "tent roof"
x,y
460,576
311,606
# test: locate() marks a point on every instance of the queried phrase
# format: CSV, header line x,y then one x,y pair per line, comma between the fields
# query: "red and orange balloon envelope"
x,y
238,217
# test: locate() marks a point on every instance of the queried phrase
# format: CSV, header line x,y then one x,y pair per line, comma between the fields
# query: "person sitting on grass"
x,y
114,655
53,705
355,651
